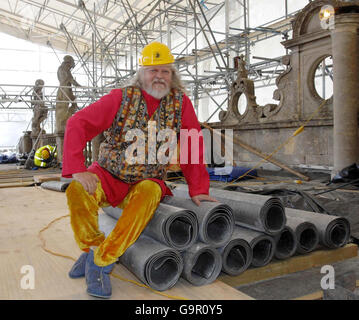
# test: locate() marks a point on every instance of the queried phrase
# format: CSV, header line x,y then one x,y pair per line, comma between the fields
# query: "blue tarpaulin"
x,y
228,174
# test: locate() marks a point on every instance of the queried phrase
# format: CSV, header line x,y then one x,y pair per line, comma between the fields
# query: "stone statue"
x,y
242,71
39,109
65,95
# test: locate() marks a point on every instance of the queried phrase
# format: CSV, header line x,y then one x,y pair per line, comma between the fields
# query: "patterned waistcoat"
x,y
140,156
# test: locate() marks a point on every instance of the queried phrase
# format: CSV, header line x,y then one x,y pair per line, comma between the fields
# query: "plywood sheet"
x,y
27,210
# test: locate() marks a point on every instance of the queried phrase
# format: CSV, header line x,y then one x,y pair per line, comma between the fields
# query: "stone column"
x,y
345,52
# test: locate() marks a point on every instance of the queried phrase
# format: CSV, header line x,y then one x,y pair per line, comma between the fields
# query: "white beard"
x,y
157,93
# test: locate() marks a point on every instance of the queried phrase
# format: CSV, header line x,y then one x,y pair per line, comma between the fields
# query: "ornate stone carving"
x,y
295,92
330,139
245,86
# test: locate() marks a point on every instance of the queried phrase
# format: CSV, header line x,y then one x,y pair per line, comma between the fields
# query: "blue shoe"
x,y
98,278
78,269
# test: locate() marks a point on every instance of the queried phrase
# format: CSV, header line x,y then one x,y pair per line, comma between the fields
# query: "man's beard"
x,y
157,93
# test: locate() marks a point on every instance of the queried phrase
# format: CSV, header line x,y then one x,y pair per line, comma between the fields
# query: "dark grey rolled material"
x,y
236,255
257,212
215,220
263,245
60,186
286,243
334,231
306,233
202,264
154,263
173,226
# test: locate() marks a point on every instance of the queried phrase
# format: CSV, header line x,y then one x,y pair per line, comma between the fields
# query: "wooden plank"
x,y
48,177
26,211
16,184
15,179
22,177
339,189
293,264
312,296
12,180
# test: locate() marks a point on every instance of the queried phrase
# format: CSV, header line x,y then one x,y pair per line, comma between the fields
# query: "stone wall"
x,y
265,127
312,148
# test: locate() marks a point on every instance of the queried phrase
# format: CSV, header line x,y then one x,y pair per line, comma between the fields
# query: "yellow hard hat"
x,y
156,53
45,154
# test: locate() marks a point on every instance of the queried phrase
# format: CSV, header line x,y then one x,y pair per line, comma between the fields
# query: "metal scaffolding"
x,y
107,36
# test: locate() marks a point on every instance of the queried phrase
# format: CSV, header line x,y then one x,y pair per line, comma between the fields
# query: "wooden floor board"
x,y
23,213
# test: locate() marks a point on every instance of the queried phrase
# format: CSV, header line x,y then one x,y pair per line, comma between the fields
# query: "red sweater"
x,y
87,123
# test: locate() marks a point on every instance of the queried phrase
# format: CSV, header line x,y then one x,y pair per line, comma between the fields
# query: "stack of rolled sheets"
x,y
241,230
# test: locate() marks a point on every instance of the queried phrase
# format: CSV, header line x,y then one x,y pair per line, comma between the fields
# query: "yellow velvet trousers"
x,y
138,207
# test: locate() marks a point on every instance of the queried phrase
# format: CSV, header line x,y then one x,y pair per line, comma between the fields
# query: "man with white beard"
x,y
155,95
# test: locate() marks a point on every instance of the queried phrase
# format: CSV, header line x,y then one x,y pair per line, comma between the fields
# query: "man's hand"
x,y
88,181
202,197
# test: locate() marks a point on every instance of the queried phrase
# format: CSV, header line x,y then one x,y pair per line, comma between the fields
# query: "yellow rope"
x,y
43,246
43,242
298,131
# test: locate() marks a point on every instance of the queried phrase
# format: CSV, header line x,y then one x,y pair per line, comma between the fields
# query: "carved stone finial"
x,y
242,71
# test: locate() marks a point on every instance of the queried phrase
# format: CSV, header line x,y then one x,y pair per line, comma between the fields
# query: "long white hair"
x,y
176,82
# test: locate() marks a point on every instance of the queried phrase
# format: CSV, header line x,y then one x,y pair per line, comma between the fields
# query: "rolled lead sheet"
x,y
215,220
113,212
155,264
236,255
306,233
202,264
257,212
334,231
60,186
172,226
263,245
286,243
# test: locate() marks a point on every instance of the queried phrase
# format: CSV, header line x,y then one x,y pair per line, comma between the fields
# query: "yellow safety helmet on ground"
x,y
156,53
45,154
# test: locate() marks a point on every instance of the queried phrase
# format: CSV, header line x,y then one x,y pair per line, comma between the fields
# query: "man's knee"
x,y
149,187
74,187
77,195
